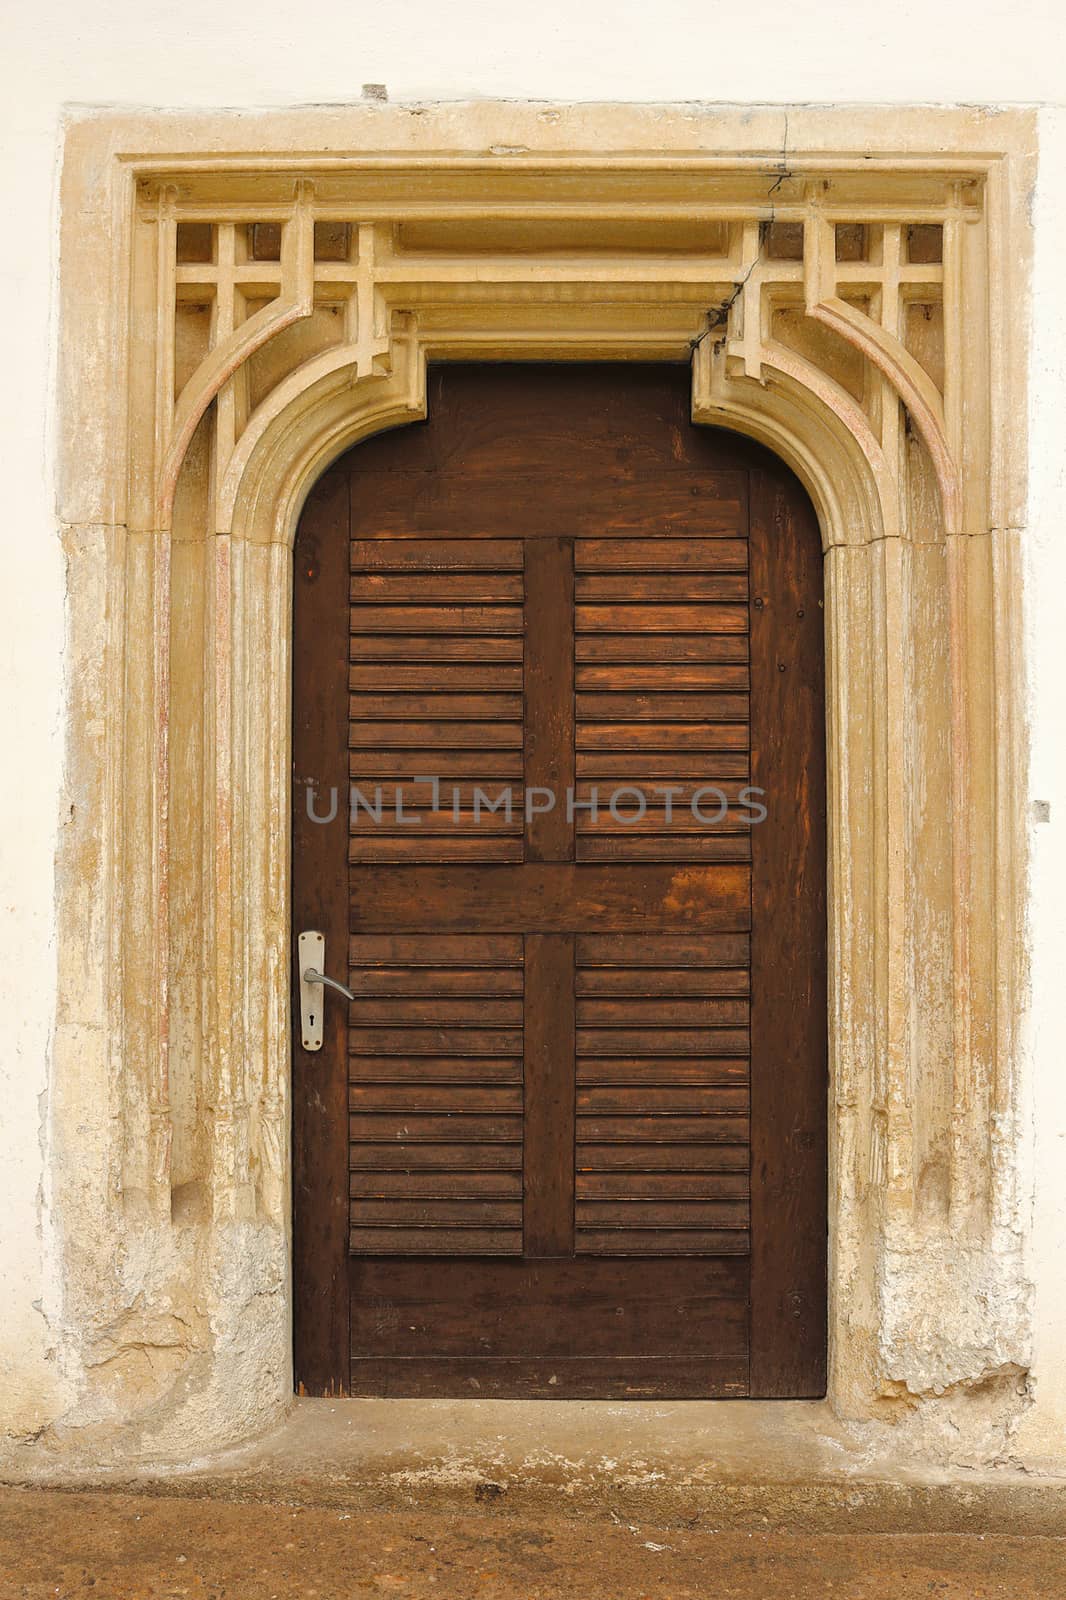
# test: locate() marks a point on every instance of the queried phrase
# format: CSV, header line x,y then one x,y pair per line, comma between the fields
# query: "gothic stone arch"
x,y
245,298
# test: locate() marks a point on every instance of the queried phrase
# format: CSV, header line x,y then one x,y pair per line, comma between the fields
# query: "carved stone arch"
x,y
318,417
377,267
797,412
814,426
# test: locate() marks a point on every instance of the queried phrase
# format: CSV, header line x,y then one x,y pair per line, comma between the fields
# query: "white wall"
x,y
201,53
61,52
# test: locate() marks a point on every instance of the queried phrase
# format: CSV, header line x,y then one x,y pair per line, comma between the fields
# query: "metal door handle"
x,y
309,975
310,959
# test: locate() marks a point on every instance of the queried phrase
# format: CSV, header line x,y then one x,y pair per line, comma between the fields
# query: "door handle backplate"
x,y
311,957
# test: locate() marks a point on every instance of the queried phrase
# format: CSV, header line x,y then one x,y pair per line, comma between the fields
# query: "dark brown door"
x,y
553,652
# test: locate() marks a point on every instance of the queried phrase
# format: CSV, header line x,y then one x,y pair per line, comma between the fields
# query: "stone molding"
x,y
245,297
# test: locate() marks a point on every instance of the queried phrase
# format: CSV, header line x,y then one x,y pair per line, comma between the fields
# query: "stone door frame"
x,y
850,286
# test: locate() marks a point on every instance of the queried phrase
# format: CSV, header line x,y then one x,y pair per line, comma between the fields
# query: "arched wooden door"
x,y
555,650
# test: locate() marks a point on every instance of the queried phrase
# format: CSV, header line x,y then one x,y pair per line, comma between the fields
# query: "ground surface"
x,y
729,1465
72,1546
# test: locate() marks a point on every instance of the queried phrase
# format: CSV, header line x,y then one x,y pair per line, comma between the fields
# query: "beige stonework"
x,y
850,286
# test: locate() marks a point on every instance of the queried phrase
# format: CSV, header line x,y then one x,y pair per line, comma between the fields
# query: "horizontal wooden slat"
x,y
439,1157
470,1011
371,767
661,1214
436,588
664,1042
662,1185
552,897
679,1069
444,981
480,1211
632,648
413,647
648,1011
373,1128
662,1129
437,1241
436,555
434,1041
640,1099
413,821
650,619
444,1185
435,849
708,816
660,707
378,800
436,950
632,588
444,1097
479,707
663,847
675,677
691,769
469,619
659,1242
661,555
458,677
436,735
436,1069
678,1157
669,983
694,801
439,1012
639,736
662,950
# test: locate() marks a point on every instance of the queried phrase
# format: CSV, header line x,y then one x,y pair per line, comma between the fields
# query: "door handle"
x,y
311,958
311,976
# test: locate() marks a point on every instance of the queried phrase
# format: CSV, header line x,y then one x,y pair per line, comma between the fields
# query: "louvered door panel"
x,y
435,691
662,682
435,1086
663,1095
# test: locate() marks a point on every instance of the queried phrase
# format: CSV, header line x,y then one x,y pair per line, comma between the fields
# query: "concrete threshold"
x,y
716,1465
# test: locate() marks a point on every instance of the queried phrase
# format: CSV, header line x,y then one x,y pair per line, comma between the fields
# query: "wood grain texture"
x,y
545,1092
578,1378
319,870
549,1095
589,1315
788,979
553,898
549,694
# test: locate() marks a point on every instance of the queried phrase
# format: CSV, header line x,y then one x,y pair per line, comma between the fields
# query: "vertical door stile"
x,y
320,900
548,1190
788,976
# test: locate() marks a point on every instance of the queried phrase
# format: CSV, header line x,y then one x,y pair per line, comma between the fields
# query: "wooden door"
x,y
569,1138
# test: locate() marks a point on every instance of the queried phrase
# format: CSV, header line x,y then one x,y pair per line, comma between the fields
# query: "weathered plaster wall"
x,y
125,54
1043,1433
